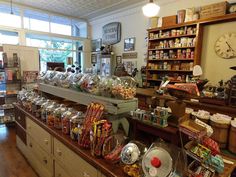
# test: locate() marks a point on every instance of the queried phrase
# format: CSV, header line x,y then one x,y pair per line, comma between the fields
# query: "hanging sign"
x,y
111,33
130,55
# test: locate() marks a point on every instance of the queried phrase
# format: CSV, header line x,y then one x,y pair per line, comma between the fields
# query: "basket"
x,y
193,166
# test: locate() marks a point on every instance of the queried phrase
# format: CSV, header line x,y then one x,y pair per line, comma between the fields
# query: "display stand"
x,y
116,108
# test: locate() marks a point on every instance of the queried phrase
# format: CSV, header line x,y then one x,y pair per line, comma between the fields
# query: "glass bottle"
x,y
43,110
49,114
75,125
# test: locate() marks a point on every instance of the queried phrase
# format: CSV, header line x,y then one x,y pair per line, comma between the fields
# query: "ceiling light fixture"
x,y
151,9
11,8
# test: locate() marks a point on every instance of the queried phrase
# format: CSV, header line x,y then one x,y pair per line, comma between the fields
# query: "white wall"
x,y
134,24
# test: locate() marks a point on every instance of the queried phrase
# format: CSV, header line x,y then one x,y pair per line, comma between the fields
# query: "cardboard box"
x,y
169,20
214,10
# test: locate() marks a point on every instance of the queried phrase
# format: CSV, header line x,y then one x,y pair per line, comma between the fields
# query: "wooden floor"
x,y
12,163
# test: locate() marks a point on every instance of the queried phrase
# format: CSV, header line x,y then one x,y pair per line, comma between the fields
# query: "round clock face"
x,y
225,46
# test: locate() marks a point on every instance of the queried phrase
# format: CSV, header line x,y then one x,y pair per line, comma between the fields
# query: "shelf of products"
x,y
113,106
172,52
10,85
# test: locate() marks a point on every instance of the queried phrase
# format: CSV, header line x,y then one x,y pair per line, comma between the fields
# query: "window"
x,y
34,20
60,25
79,28
54,49
8,19
8,37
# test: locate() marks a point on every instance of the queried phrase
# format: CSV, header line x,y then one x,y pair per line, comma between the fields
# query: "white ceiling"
x,y
78,8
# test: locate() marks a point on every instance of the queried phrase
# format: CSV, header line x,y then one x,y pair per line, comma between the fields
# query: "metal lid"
x,y
130,153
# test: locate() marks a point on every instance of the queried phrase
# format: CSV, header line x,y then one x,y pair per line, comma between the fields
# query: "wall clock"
x,y
225,46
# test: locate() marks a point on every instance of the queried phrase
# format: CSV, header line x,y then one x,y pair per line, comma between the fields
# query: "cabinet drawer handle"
x,y
59,152
59,175
86,174
45,160
46,141
19,118
30,144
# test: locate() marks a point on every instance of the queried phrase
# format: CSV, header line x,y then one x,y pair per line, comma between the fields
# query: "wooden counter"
x,y
144,96
108,169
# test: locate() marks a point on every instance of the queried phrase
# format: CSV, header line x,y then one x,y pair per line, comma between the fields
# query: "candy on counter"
x,y
202,114
220,118
208,127
212,145
189,110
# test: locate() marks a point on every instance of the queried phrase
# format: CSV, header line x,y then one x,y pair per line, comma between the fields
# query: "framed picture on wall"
x,y
96,45
129,44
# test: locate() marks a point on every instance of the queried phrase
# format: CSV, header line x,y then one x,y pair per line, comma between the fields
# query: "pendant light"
x,y
151,9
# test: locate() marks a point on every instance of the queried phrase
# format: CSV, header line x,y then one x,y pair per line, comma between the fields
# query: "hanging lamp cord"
x,y
11,8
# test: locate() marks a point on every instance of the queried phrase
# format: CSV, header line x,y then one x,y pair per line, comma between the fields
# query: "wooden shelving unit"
x,y
172,52
155,76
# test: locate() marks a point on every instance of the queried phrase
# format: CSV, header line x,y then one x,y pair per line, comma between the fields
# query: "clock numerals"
x,y
225,46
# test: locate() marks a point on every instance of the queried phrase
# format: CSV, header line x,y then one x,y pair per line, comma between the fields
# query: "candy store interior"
x,y
118,88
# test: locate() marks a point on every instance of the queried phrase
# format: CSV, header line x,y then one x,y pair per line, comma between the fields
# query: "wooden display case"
x,y
172,52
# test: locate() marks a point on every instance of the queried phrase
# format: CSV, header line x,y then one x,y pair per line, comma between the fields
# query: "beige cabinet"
x,y
51,158
42,136
60,171
74,164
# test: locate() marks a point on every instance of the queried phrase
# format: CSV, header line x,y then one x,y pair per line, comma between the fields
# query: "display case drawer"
x,y
44,139
20,118
20,132
70,161
59,171
45,159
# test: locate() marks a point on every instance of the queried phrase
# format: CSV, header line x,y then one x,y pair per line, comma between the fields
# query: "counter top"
x,y
212,108
108,169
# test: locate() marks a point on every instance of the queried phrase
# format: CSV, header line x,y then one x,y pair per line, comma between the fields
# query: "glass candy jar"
x,y
57,114
39,107
33,104
76,125
49,112
126,89
66,117
44,107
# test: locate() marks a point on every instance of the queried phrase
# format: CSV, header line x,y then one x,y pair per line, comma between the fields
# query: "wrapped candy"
x,y
66,117
106,84
63,81
126,89
49,77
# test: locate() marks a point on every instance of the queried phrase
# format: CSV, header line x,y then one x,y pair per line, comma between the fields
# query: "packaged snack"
x,y
76,125
58,116
56,79
100,131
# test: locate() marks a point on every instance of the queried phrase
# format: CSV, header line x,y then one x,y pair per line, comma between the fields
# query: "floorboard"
x,y
12,162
